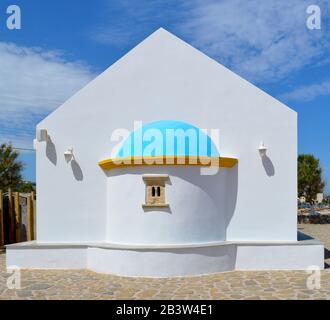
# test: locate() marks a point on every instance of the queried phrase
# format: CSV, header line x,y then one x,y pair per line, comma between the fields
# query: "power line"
x,y
24,149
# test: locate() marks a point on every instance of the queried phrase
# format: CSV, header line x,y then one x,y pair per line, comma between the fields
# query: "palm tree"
x,y
10,167
309,177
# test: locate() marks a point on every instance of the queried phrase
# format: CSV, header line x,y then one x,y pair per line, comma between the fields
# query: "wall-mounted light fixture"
x,y
68,155
42,135
262,149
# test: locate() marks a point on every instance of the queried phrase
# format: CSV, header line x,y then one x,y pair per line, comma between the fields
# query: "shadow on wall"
x,y
227,253
52,157
326,256
222,188
51,151
268,166
76,170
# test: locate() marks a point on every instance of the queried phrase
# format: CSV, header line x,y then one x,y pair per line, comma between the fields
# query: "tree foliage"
x,y
309,177
10,167
26,187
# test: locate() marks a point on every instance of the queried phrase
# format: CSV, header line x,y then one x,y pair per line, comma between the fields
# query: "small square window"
x,y
155,190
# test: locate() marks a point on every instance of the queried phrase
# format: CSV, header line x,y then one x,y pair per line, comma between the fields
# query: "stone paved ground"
x,y
230,285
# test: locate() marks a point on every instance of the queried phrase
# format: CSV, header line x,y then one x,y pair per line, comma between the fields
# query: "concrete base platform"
x,y
168,261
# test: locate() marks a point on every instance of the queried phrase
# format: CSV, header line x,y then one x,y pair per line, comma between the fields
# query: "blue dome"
x,y
168,138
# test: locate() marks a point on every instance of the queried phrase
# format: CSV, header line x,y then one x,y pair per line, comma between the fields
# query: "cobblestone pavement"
x,y
40,284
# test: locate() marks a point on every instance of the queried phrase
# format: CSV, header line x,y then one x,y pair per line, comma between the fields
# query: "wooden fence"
x,y
17,217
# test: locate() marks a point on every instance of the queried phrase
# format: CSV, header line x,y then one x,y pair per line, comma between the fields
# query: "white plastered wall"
x,y
165,78
200,207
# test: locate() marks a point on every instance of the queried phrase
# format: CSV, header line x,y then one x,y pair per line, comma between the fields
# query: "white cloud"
x,y
262,40
129,22
308,92
33,82
18,139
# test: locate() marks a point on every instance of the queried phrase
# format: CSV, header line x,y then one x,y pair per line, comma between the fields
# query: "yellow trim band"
x,y
114,163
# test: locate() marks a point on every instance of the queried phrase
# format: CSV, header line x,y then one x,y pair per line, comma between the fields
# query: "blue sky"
x,y
64,44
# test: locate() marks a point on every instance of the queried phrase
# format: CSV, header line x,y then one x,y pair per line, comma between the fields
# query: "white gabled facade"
x,y
165,78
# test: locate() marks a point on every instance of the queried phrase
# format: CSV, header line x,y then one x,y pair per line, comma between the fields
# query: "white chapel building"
x,y
167,164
